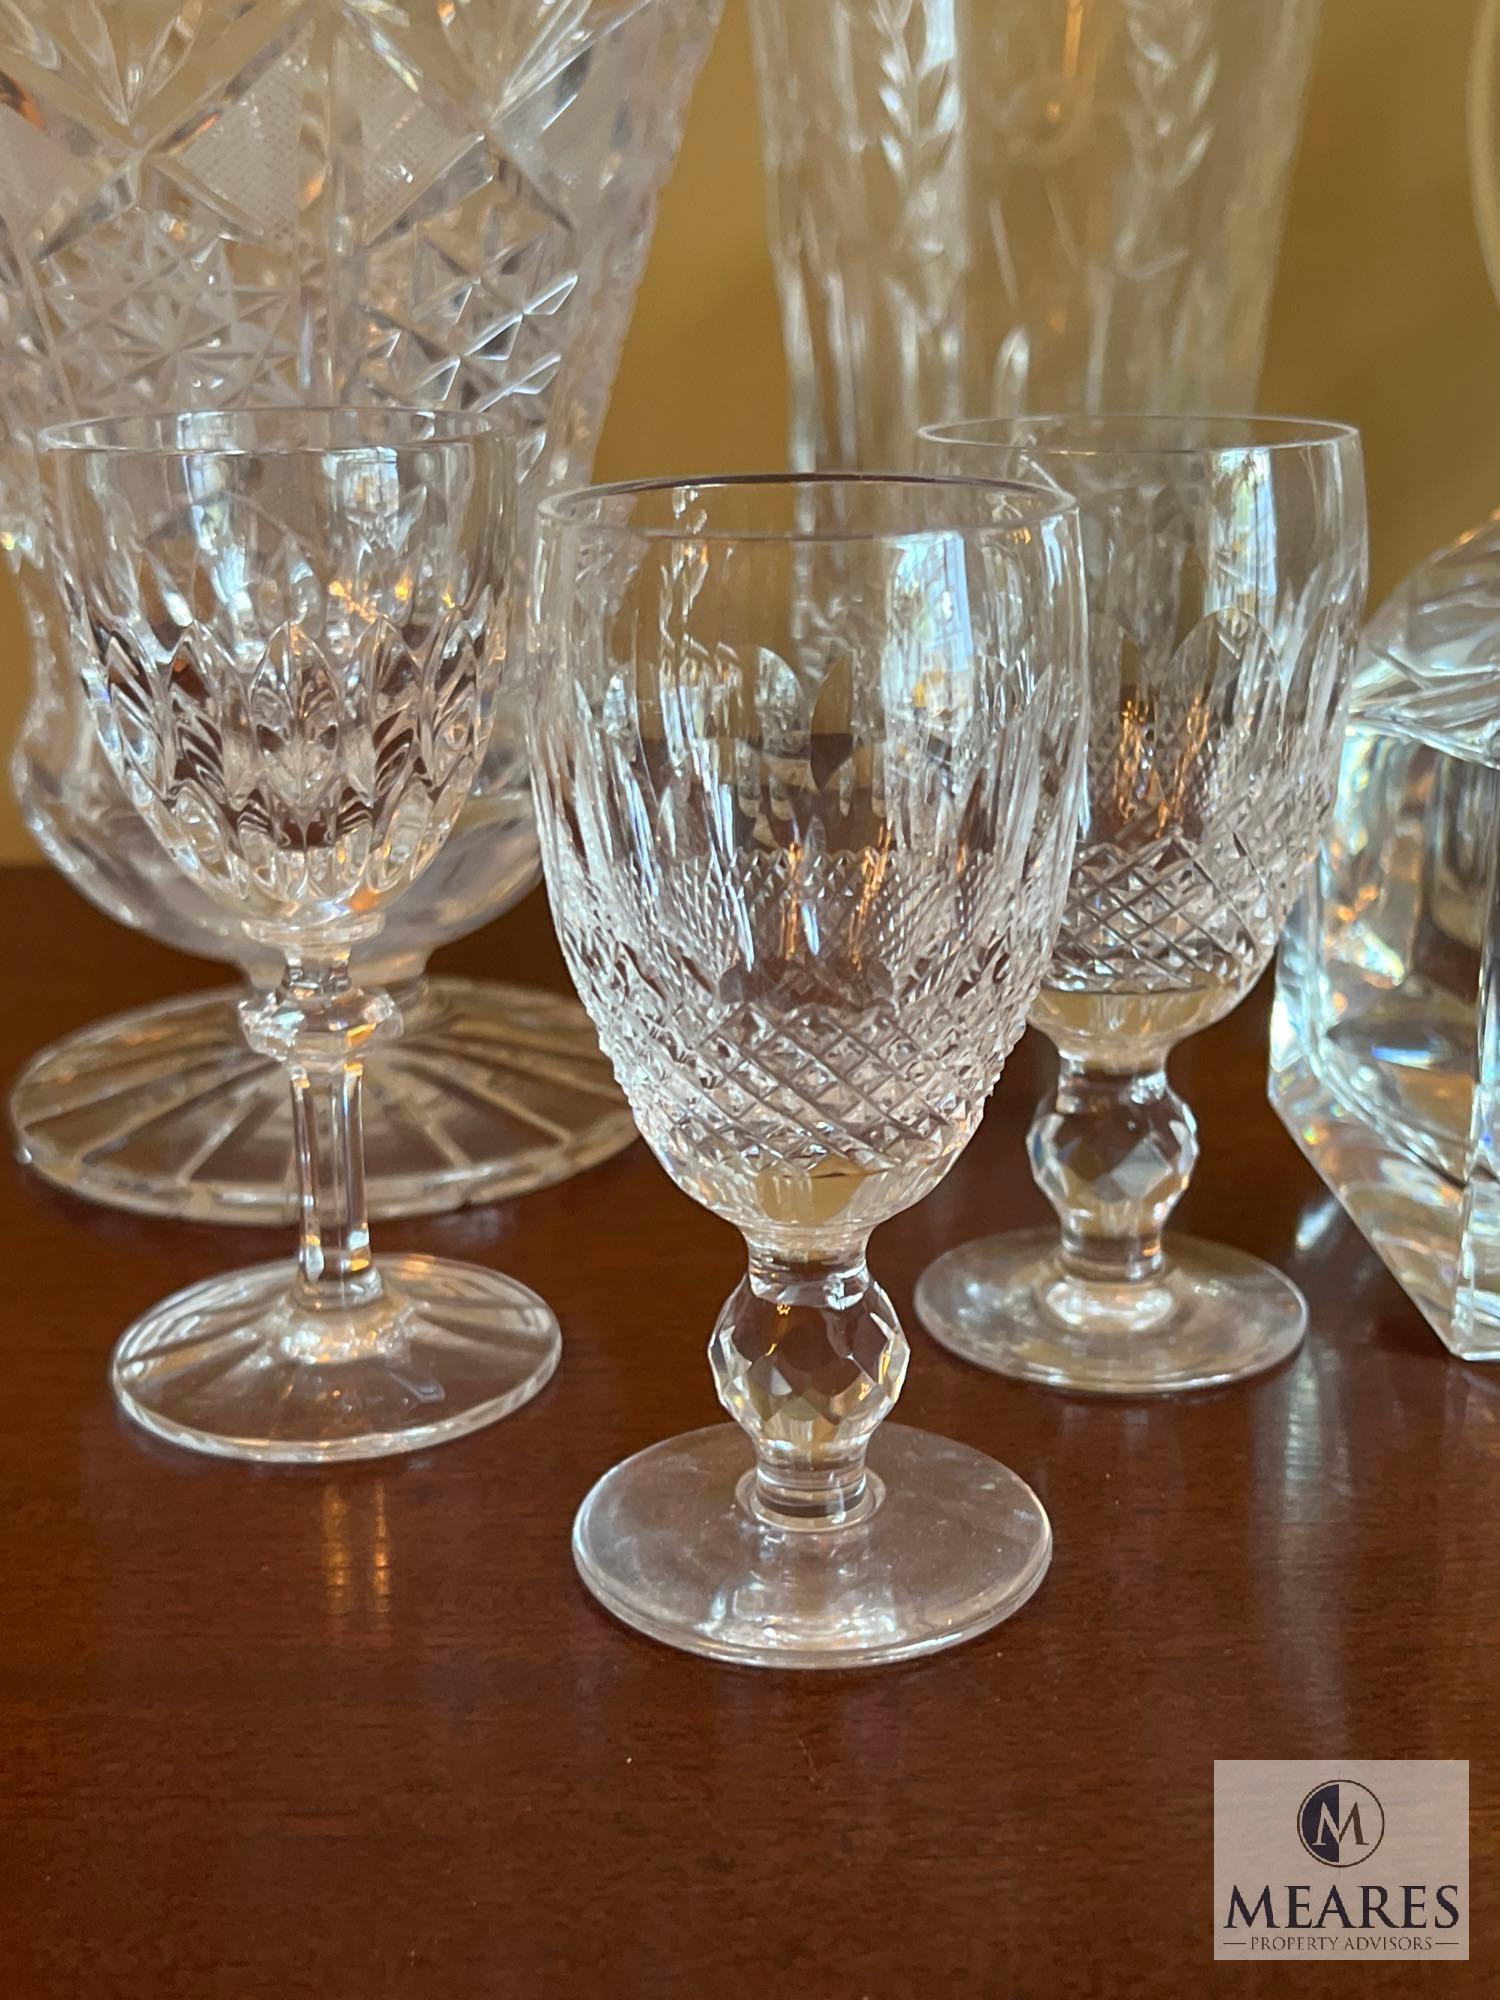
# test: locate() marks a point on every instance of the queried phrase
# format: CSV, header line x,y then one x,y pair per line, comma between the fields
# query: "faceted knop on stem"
x,y
319,1018
1113,1154
809,1367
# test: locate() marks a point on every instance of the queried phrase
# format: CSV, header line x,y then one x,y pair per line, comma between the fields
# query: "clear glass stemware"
x,y
291,626
807,757
1226,561
210,203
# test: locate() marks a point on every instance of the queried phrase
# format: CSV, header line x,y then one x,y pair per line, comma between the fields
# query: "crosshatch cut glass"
x,y
807,757
1226,560
290,627
207,203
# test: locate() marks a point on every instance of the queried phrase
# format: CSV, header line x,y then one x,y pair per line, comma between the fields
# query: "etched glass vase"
x,y
997,207
208,203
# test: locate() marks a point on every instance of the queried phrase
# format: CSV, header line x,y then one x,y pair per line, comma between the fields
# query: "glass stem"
x,y
1113,1152
319,1024
808,1357
334,1266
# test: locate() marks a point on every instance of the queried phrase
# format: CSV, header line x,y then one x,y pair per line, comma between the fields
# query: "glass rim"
x,y
1238,433
568,509
160,433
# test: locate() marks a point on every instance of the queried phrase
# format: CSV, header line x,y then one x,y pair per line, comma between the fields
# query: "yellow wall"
x,y
1383,315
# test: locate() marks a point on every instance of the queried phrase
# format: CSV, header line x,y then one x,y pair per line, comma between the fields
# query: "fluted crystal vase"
x,y
209,203
1003,206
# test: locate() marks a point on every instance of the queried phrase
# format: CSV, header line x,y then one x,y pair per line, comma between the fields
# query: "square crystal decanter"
x,y
1385,1062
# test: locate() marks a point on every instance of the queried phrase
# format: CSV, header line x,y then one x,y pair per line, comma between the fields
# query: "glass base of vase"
x,y
954,1543
492,1091
234,1368
1213,1316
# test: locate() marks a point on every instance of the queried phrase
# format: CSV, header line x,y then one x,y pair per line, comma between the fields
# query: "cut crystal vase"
x,y
206,203
995,207
1386,1037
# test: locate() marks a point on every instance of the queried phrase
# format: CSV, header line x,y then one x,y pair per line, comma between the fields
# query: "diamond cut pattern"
x,y
1208,782
888,1088
449,172
807,900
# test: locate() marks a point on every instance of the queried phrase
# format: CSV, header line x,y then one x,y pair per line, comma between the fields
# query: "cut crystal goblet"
x,y
1226,561
291,629
209,203
807,755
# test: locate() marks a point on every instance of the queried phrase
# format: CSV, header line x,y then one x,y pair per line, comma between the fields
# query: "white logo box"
x,y
1341,1858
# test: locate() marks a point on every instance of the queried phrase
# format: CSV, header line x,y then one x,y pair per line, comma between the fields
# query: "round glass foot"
x,y
953,1544
233,1367
1212,1316
492,1091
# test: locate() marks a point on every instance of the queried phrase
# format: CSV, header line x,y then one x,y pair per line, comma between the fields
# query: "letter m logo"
x,y
1330,1832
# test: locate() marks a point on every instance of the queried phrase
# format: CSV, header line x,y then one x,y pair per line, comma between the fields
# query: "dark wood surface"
x,y
362,1732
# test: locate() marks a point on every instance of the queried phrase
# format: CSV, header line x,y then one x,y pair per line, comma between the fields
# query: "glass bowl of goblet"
x,y
807,755
492,1090
1225,560
291,629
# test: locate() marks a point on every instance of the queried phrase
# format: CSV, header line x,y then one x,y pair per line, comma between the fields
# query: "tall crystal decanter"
x,y
218,202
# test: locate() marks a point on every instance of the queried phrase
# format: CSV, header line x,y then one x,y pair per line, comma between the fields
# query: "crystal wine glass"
x,y
291,629
807,756
1226,561
208,203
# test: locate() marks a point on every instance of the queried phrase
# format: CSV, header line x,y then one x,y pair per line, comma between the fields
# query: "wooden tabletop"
x,y
362,1732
